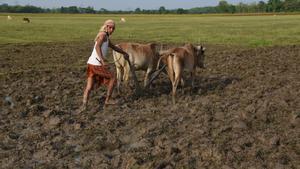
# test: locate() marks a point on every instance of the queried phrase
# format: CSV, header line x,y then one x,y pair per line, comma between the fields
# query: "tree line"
x,y
222,7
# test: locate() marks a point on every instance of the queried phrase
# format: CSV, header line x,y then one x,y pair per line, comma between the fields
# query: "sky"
x,y
122,4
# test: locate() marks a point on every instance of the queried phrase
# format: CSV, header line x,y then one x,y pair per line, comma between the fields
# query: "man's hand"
x,y
103,62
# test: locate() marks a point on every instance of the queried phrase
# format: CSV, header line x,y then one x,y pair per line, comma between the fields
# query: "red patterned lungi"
x,y
101,74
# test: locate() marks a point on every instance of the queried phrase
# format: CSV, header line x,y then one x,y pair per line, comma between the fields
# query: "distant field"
x,y
208,29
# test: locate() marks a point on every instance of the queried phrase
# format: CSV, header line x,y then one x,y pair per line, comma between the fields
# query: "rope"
x,y
110,63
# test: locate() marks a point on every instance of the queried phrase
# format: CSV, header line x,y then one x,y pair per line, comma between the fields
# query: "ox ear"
x,y
198,48
201,48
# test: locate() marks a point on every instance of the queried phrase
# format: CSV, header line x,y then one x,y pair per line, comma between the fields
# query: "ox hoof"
x,y
173,100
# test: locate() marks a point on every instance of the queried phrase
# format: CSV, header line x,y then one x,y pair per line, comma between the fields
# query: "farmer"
x,y
98,72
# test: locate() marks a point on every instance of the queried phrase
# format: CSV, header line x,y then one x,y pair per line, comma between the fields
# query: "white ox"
x,y
123,20
142,57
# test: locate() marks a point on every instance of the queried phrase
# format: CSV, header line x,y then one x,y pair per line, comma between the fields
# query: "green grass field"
x,y
208,29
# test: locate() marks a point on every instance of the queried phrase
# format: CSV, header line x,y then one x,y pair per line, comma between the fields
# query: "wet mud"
x,y
243,113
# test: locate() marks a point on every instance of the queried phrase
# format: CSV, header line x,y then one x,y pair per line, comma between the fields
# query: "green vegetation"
x,y
207,29
222,7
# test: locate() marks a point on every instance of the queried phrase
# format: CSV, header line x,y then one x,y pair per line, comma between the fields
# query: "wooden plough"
x,y
138,90
155,75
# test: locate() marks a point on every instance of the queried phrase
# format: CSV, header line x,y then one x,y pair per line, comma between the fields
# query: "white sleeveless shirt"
x,y
93,59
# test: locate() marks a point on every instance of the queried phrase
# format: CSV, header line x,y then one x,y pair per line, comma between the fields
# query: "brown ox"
x,y
178,59
142,56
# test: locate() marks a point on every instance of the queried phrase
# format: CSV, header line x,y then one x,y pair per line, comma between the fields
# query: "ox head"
x,y
200,56
198,52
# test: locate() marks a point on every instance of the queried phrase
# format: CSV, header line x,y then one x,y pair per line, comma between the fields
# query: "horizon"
x,y
129,5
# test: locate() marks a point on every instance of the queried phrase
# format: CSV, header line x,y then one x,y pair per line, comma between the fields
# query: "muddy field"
x,y
243,113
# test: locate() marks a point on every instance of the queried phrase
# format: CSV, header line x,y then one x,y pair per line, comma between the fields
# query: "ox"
x,y
178,59
142,56
26,20
123,20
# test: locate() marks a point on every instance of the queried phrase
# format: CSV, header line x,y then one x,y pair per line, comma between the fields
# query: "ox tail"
x,y
164,56
172,63
159,60
116,56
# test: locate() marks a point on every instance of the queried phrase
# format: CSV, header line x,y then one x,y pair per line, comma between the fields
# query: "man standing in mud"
x,y
98,72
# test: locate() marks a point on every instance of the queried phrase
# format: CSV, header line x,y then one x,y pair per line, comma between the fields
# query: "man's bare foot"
x,y
111,102
82,108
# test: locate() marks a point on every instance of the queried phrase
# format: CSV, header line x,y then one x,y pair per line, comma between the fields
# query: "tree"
x,y
262,6
231,9
137,10
89,10
103,10
202,10
73,9
291,5
223,6
181,11
162,10
274,5
242,8
252,8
